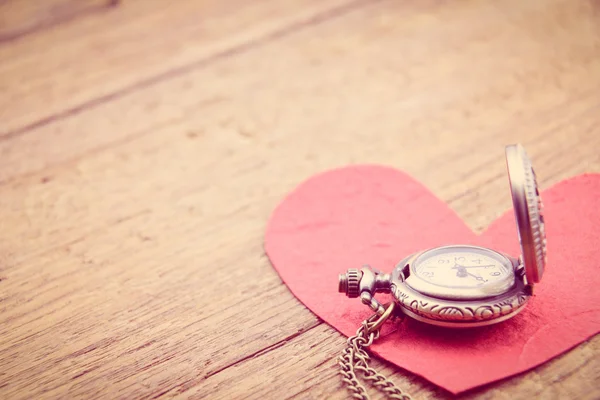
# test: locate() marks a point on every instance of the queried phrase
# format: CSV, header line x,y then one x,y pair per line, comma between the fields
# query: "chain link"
x,y
355,358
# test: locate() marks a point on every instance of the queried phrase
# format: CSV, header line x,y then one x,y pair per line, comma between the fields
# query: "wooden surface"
x,y
143,146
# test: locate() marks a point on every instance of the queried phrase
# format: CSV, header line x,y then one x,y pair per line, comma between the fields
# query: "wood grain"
x,y
114,51
144,148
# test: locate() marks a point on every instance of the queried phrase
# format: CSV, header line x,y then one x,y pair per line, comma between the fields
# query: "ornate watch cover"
x,y
528,209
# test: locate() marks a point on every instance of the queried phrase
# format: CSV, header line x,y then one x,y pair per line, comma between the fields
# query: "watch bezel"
x,y
460,293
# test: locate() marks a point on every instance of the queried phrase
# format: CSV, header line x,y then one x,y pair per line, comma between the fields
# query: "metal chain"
x,y
355,358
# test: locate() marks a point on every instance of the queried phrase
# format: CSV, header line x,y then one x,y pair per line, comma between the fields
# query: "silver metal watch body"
x,y
462,286
459,305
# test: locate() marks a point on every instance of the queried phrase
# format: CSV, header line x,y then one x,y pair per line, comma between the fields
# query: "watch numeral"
x,y
428,274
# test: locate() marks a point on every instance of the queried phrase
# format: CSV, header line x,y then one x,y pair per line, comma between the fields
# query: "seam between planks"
x,y
264,350
50,23
234,50
183,387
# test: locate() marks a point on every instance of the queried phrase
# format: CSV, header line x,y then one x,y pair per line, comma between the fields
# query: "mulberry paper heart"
x,y
377,215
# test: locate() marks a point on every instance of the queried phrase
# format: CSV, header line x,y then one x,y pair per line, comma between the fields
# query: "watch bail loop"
x,y
375,325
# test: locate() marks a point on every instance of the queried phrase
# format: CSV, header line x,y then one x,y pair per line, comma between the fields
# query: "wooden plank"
x,y
400,91
91,57
121,234
232,121
87,309
306,369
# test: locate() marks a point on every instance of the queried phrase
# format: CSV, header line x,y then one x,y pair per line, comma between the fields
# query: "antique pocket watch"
x,y
462,286
455,286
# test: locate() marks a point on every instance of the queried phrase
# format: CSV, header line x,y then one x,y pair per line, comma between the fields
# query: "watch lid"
x,y
528,209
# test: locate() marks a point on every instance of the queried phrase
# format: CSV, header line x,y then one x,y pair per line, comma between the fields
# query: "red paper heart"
x,y
376,215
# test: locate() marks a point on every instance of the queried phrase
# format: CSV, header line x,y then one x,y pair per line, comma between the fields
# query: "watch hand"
x,y
472,266
462,272
479,278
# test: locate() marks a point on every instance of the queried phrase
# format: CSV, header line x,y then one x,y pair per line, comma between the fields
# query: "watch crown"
x,y
349,283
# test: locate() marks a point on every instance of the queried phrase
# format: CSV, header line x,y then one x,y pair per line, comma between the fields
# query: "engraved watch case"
x,y
458,312
462,286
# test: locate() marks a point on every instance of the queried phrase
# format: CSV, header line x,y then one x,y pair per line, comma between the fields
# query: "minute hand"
x,y
473,266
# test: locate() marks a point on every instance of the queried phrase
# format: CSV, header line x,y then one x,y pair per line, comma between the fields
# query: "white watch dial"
x,y
461,272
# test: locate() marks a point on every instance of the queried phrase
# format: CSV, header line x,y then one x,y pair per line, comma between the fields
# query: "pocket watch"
x,y
454,286
462,286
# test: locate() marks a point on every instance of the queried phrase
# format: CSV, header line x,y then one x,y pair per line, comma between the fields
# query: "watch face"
x,y
461,272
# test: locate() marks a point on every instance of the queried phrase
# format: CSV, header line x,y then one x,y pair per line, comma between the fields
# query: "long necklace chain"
x,y
355,358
